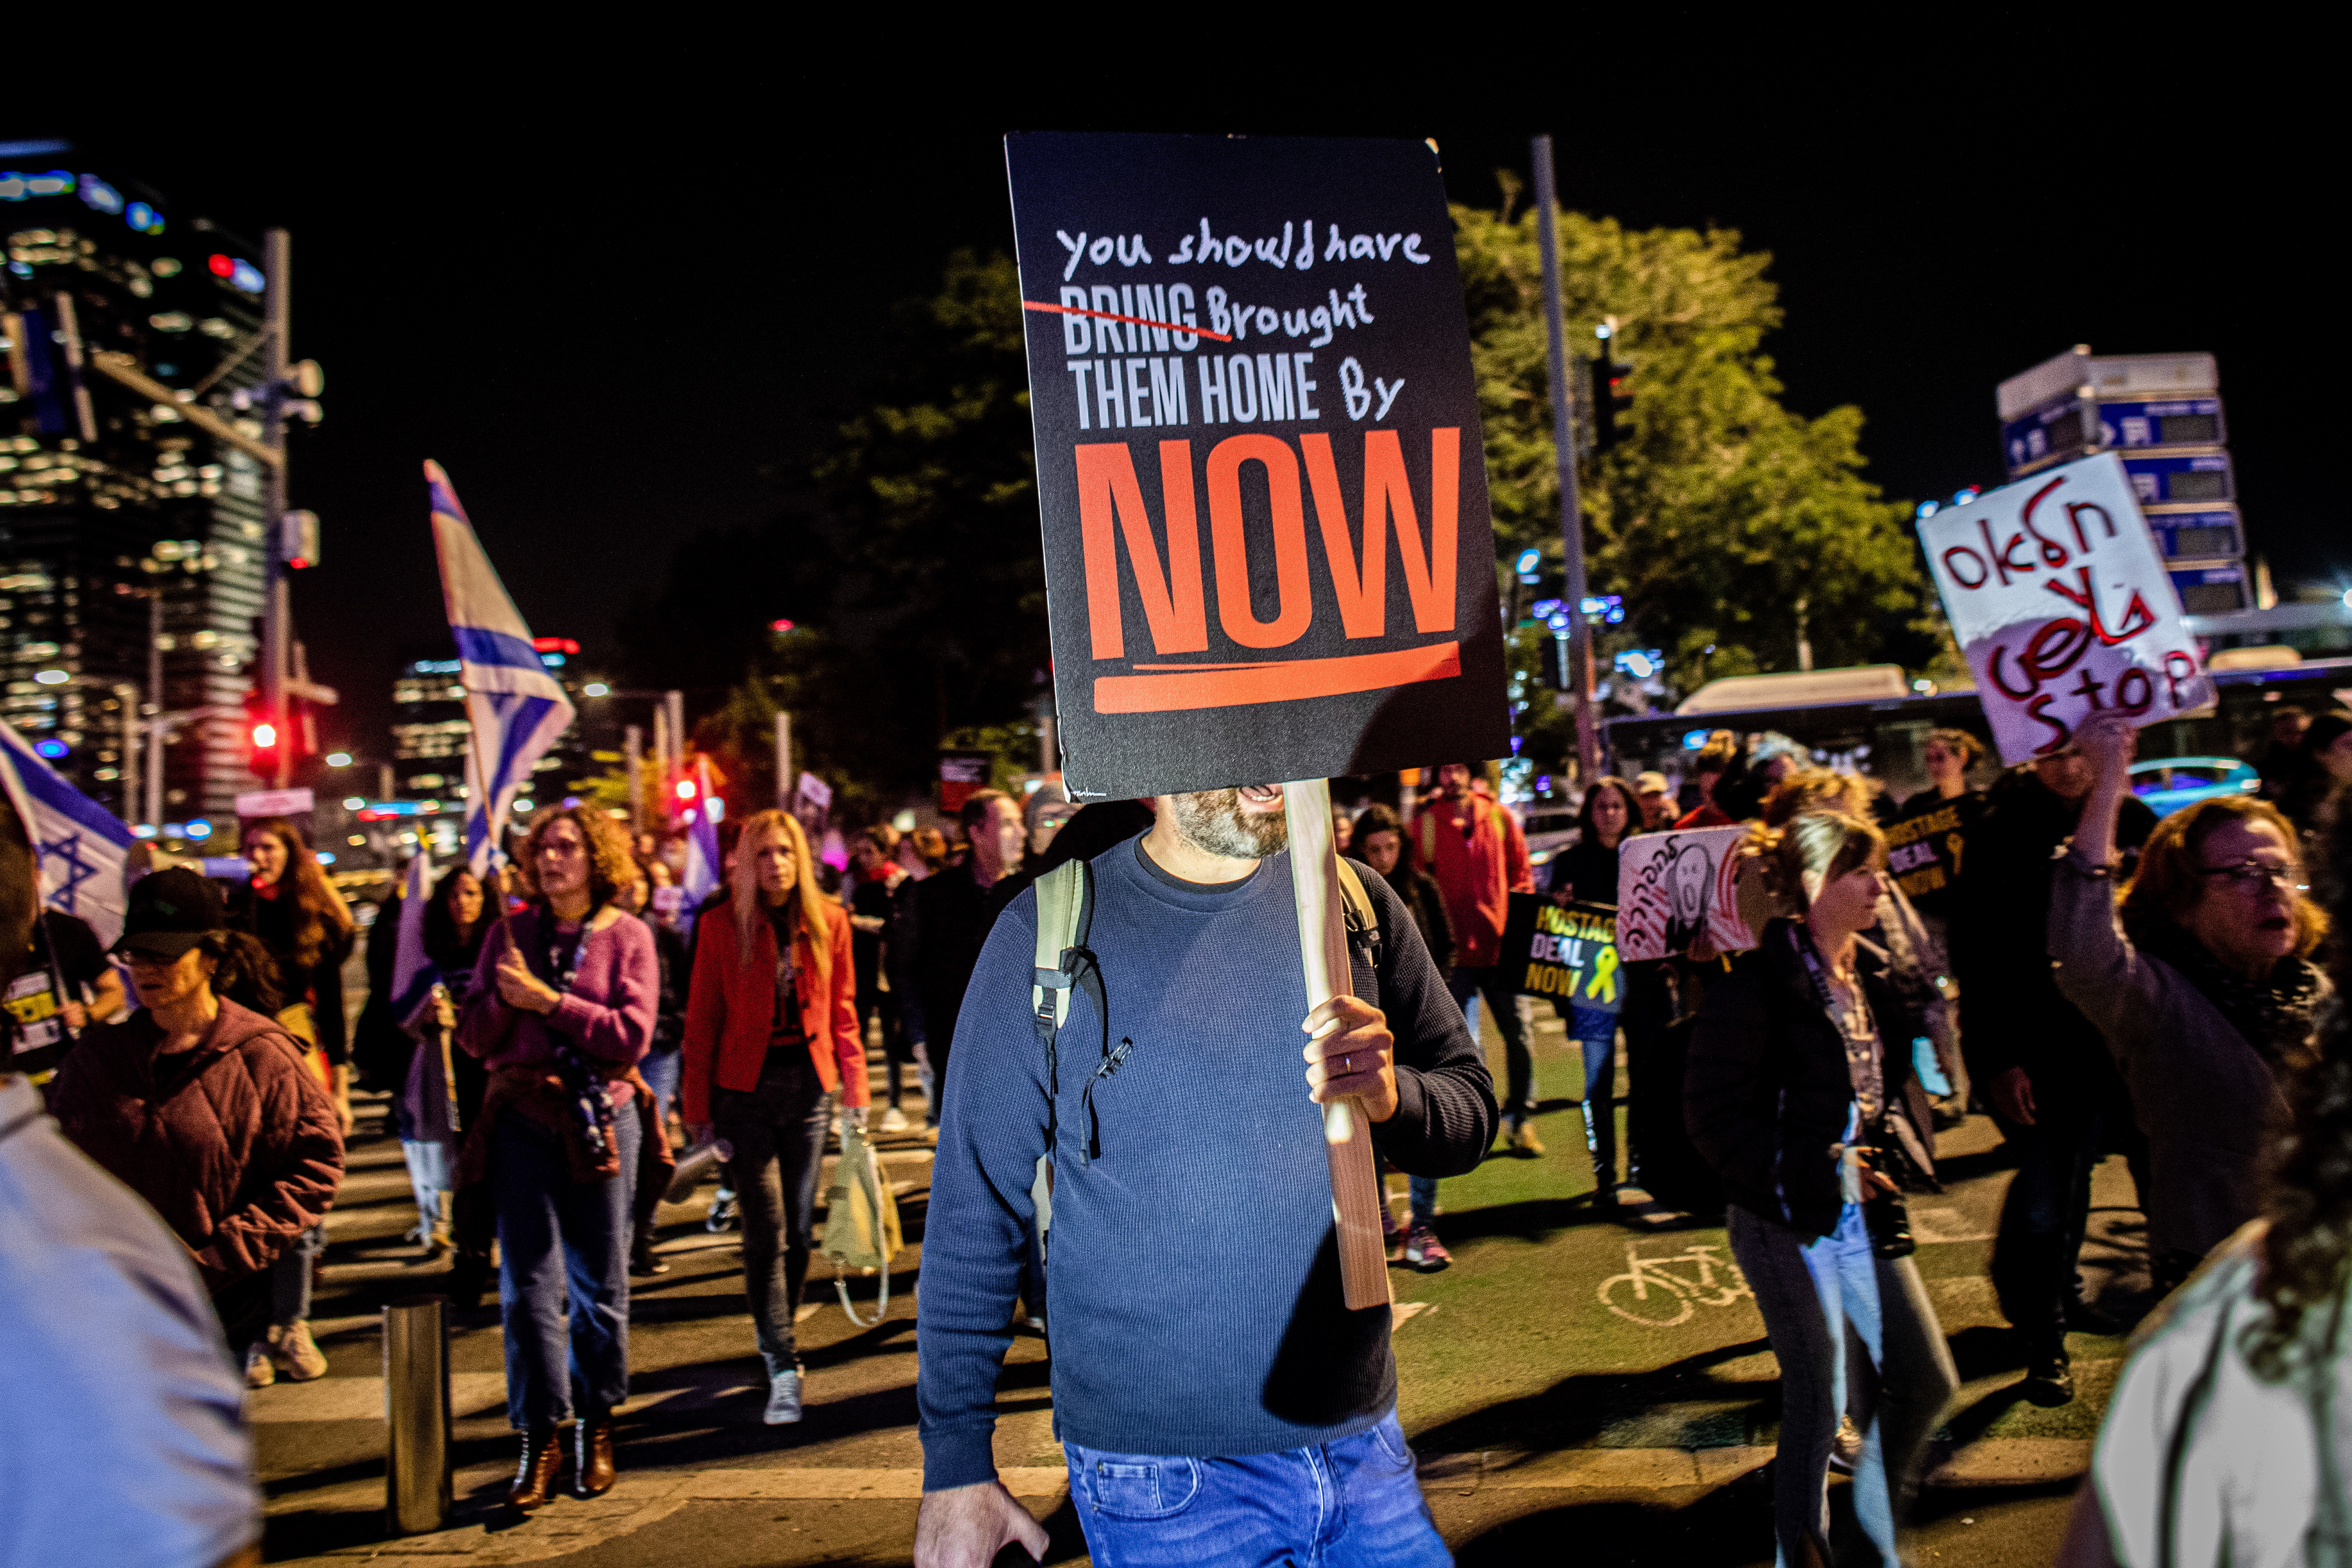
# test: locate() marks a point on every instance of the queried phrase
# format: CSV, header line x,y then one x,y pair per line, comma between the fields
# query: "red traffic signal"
x,y
265,738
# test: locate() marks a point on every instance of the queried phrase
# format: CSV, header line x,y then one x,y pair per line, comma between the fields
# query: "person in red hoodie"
x,y
205,1108
772,1036
1474,849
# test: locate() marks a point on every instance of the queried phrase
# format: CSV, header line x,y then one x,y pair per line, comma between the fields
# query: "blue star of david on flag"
x,y
81,845
516,709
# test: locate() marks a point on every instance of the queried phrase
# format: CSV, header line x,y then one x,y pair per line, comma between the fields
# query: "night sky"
x,y
617,311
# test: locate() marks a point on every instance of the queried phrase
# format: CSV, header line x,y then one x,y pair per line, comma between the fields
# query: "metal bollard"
x,y
416,1413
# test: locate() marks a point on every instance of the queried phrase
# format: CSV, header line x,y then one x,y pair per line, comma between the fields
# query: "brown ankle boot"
x,y
592,1474
534,1482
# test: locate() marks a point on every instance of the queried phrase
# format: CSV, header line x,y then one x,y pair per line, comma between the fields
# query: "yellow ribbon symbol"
x,y
1604,973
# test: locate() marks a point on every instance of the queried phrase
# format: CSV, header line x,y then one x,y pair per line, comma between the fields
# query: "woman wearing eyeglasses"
x,y
2199,979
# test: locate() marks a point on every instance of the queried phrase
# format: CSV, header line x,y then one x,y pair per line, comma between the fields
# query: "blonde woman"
x,y
1801,1094
772,1036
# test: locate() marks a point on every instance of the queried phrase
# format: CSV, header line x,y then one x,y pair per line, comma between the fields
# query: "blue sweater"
x,y
1193,1280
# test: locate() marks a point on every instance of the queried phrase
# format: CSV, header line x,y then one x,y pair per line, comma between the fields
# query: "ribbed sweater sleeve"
x,y
974,1247
1446,1116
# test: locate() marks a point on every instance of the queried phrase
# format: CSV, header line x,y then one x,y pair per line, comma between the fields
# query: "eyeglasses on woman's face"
x,y
2247,876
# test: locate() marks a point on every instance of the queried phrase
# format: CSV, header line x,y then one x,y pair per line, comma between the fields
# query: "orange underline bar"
x,y
1288,681
1138,320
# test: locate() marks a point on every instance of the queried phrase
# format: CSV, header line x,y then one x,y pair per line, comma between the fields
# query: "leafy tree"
x,y
912,573
1721,516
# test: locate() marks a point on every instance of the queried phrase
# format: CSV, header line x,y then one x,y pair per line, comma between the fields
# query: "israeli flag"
x,y
517,710
413,974
81,845
703,867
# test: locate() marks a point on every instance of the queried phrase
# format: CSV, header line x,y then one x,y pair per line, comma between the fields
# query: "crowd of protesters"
x,y
2036,946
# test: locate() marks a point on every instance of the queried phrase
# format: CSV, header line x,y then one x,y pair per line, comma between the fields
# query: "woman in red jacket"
x,y
772,1036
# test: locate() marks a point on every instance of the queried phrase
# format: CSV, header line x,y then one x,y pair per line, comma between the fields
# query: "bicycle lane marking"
x,y
1703,1274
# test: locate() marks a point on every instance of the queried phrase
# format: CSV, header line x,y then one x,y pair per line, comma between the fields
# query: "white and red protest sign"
x,y
1673,888
2060,603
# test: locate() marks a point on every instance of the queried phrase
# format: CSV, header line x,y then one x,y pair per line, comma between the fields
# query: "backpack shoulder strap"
x,y
1065,909
1362,915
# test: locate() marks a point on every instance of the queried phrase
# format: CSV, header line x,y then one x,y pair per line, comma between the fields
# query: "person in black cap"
x,y
202,1104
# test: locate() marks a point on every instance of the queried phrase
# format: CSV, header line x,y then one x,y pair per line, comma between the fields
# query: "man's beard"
x,y
1212,821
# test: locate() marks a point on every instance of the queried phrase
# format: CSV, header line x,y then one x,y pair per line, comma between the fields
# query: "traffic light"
x,y
265,740
1612,393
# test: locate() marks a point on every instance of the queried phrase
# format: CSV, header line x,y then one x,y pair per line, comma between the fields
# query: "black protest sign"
x,y
1268,551
1566,953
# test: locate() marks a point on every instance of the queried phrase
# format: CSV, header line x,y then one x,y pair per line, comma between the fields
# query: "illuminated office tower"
x,y
107,497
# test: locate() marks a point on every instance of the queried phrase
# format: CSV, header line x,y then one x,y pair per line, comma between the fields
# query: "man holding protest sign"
x,y
1135,1018
1181,1126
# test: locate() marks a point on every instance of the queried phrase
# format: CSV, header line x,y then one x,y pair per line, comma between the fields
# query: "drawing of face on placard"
x,y
2063,606
1673,887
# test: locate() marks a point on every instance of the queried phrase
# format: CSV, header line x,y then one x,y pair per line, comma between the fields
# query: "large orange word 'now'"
x,y
1171,587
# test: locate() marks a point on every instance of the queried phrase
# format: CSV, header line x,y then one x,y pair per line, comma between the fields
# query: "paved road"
x,y
1553,1404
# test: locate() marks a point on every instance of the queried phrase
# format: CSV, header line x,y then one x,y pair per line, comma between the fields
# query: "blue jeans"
x,y
662,1072
1596,1032
1832,1306
1354,1503
562,1244
1511,1019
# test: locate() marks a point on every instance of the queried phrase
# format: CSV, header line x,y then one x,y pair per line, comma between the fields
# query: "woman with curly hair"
x,y
2229,1438
2201,984
288,904
561,1012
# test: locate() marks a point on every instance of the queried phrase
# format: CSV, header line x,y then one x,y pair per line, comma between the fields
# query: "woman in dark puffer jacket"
x,y
203,1107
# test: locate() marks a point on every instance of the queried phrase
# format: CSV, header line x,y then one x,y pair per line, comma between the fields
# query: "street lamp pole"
x,y
277,602
1572,513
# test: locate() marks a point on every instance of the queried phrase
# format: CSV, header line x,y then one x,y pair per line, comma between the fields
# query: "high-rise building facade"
x,y
107,497
429,731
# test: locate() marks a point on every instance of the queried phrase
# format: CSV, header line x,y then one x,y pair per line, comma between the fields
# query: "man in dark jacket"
x,y
948,920
2040,1065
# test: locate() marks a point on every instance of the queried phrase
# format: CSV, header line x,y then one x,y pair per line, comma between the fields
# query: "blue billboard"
x,y
2055,431
2159,481
2213,590
2198,534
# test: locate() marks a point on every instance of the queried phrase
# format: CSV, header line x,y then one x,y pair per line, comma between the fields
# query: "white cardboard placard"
x,y
1673,887
2060,603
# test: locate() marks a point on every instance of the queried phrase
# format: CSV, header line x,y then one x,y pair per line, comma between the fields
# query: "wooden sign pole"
x,y
1323,955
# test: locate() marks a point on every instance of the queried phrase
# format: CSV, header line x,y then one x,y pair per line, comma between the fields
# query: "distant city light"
x,y
522,805
143,830
326,856
339,758
780,625
265,736
596,689
1528,561
1694,740
97,194
686,789
52,676
51,747
200,828
353,802
1602,330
